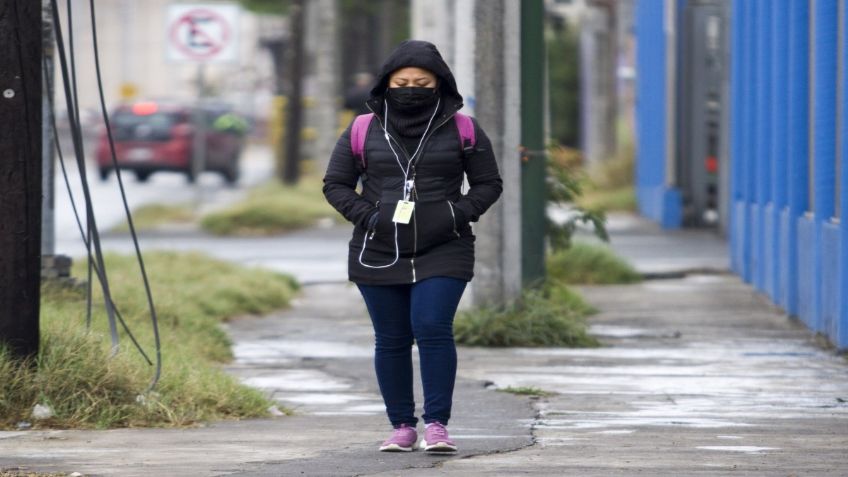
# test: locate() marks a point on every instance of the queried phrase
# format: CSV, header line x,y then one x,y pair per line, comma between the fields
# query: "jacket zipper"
x,y
414,221
453,216
414,239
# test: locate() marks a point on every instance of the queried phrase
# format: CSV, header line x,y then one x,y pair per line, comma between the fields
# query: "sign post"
x,y
201,34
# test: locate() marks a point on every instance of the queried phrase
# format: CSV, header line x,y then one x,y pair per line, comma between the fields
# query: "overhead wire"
x,y
96,262
58,142
76,134
151,307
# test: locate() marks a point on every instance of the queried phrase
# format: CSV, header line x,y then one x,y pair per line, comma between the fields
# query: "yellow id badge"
x,y
403,212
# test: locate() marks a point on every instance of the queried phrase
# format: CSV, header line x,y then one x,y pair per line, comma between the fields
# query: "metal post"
x,y
48,221
533,141
291,172
20,174
198,159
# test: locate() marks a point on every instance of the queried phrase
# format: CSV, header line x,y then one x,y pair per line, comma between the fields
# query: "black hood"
x,y
421,54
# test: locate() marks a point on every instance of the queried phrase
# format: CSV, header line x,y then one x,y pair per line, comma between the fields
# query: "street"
x,y
316,255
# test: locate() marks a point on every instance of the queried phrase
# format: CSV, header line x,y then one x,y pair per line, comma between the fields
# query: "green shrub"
x,y
552,316
609,200
150,216
272,208
587,264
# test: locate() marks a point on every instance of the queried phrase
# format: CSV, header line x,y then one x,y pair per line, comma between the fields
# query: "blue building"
x,y
742,125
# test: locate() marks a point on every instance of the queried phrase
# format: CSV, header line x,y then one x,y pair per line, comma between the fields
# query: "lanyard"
x,y
408,184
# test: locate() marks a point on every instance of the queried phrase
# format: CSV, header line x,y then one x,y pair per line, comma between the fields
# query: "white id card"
x,y
403,212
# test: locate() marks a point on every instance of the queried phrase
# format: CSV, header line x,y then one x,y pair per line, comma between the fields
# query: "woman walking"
x,y
412,250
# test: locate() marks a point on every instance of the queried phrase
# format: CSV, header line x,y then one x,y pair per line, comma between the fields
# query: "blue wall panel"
x,y
770,248
788,258
841,335
737,131
825,36
779,123
762,174
799,140
830,295
806,270
786,245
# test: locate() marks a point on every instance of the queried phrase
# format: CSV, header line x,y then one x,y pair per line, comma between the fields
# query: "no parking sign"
x,y
202,33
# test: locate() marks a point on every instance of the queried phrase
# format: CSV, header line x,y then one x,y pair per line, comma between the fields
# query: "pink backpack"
x,y
359,131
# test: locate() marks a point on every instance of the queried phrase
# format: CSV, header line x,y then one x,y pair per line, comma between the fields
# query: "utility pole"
x,y
20,175
533,165
294,122
325,50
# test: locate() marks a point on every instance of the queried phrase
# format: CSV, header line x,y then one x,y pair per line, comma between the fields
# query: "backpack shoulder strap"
x,y
467,134
358,134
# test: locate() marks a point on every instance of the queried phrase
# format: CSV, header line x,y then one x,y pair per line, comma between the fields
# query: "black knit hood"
x,y
421,54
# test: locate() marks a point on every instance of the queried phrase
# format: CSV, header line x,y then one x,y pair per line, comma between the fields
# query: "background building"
x,y
741,126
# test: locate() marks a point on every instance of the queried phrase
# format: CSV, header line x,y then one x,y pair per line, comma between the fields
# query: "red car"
x,y
153,136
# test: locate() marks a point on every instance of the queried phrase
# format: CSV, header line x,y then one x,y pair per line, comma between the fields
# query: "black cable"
x,y
56,139
75,112
80,156
152,308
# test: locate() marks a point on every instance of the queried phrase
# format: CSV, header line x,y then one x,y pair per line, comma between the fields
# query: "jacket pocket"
x,y
435,224
453,218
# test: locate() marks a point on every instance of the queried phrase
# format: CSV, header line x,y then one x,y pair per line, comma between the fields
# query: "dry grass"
x,y
75,376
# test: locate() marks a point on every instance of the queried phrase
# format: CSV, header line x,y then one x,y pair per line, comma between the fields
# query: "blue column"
x,y
824,138
737,130
651,125
841,338
799,143
762,128
780,89
750,127
764,136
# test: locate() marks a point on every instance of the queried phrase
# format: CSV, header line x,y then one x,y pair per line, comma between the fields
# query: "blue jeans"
x,y
422,312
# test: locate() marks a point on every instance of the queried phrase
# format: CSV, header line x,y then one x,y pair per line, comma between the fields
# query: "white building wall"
x,y
132,40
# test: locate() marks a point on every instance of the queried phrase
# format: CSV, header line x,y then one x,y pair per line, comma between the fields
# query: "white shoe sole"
x,y
395,448
437,448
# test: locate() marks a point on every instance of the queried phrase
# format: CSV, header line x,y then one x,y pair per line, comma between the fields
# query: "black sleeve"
x,y
483,177
340,183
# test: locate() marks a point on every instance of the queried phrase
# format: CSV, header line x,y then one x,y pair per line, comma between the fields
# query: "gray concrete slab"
x,y
699,376
662,253
315,359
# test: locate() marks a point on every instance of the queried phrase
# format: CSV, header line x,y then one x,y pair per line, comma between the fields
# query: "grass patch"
x,y
608,200
151,216
272,208
588,264
75,376
526,391
552,316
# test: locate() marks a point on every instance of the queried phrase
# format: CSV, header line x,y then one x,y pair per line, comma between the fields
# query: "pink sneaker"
x,y
402,440
436,439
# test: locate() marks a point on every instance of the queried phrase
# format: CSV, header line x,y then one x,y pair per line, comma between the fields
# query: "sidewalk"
x,y
698,376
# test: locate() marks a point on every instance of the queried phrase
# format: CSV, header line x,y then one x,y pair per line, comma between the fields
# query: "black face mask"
x,y
412,97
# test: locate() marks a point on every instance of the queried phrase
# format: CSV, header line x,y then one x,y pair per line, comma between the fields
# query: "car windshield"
x,y
128,126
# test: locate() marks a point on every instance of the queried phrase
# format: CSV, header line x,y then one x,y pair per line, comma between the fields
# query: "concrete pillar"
x,y
498,108
597,78
433,21
322,35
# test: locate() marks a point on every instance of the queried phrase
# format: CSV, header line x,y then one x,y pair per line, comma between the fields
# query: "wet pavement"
x,y
698,375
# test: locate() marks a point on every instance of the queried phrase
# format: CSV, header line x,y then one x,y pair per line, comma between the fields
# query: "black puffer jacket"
x,y
438,240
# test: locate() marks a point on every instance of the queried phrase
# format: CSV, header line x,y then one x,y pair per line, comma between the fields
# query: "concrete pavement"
x,y
698,375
